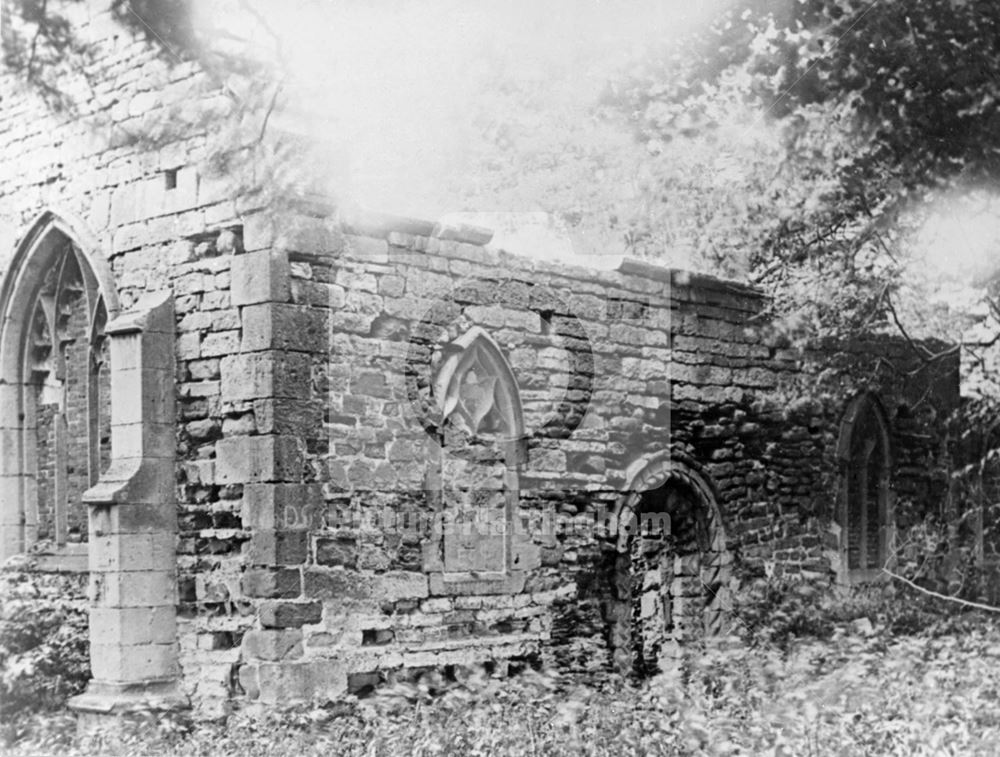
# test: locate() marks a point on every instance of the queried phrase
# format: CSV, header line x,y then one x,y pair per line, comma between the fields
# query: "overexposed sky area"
x,y
392,85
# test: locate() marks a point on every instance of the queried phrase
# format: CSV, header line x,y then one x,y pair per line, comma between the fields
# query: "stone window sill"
x,y
69,558
449,584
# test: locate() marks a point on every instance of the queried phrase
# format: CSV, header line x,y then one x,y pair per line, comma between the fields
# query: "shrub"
x,y
774,611
43,644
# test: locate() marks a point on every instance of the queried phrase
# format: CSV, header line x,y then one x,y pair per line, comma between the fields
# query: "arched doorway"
x,y
671,570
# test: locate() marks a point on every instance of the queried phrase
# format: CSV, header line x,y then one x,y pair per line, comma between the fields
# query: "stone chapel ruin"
x,y
299,452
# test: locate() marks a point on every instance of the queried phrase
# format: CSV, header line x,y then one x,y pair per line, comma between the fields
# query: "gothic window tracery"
x,y
66,395
481,427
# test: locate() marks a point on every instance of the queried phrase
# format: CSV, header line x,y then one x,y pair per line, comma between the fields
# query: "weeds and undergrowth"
x,y
897,676
773,613
44,654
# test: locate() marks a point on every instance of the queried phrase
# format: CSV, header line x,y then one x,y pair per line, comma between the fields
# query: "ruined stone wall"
x,y
330,439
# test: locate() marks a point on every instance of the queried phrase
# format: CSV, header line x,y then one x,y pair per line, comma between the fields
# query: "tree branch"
x,y
938,595
267,114
922,352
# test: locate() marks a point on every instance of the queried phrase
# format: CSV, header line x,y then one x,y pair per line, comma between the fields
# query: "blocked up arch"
x,y
648,474
671,569
475,477
55,298
864,508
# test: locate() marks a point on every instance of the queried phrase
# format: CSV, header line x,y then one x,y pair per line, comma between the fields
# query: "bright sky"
x,y
961,237
390,82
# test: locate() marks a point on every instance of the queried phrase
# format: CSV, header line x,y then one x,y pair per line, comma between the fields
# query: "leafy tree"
x,y
878,107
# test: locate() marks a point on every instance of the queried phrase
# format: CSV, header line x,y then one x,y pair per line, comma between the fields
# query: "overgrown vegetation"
x,y
44,654
871,687
885,671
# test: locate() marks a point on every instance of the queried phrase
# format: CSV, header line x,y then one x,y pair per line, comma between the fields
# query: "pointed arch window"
x,y
865,513
480,440
56,391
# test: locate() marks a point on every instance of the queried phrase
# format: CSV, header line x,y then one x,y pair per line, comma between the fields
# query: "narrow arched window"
x,y
864,513
67,395
55,410
480,440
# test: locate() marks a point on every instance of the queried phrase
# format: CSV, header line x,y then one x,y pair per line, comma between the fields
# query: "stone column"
x,y
133,528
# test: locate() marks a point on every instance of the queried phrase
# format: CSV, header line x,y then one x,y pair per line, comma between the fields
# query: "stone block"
x,y
132,552
134,663
133,625
225,318
189,283
281,683
188,346
151,390
133,589
257,459
337,551
219,343
261,276
288,416
271,583
127,515
147,439
437,605
277,375
357,281
239,425
273,644
277,506
336,584
276,614
277,326
204,370
278,548
396,585
467,585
